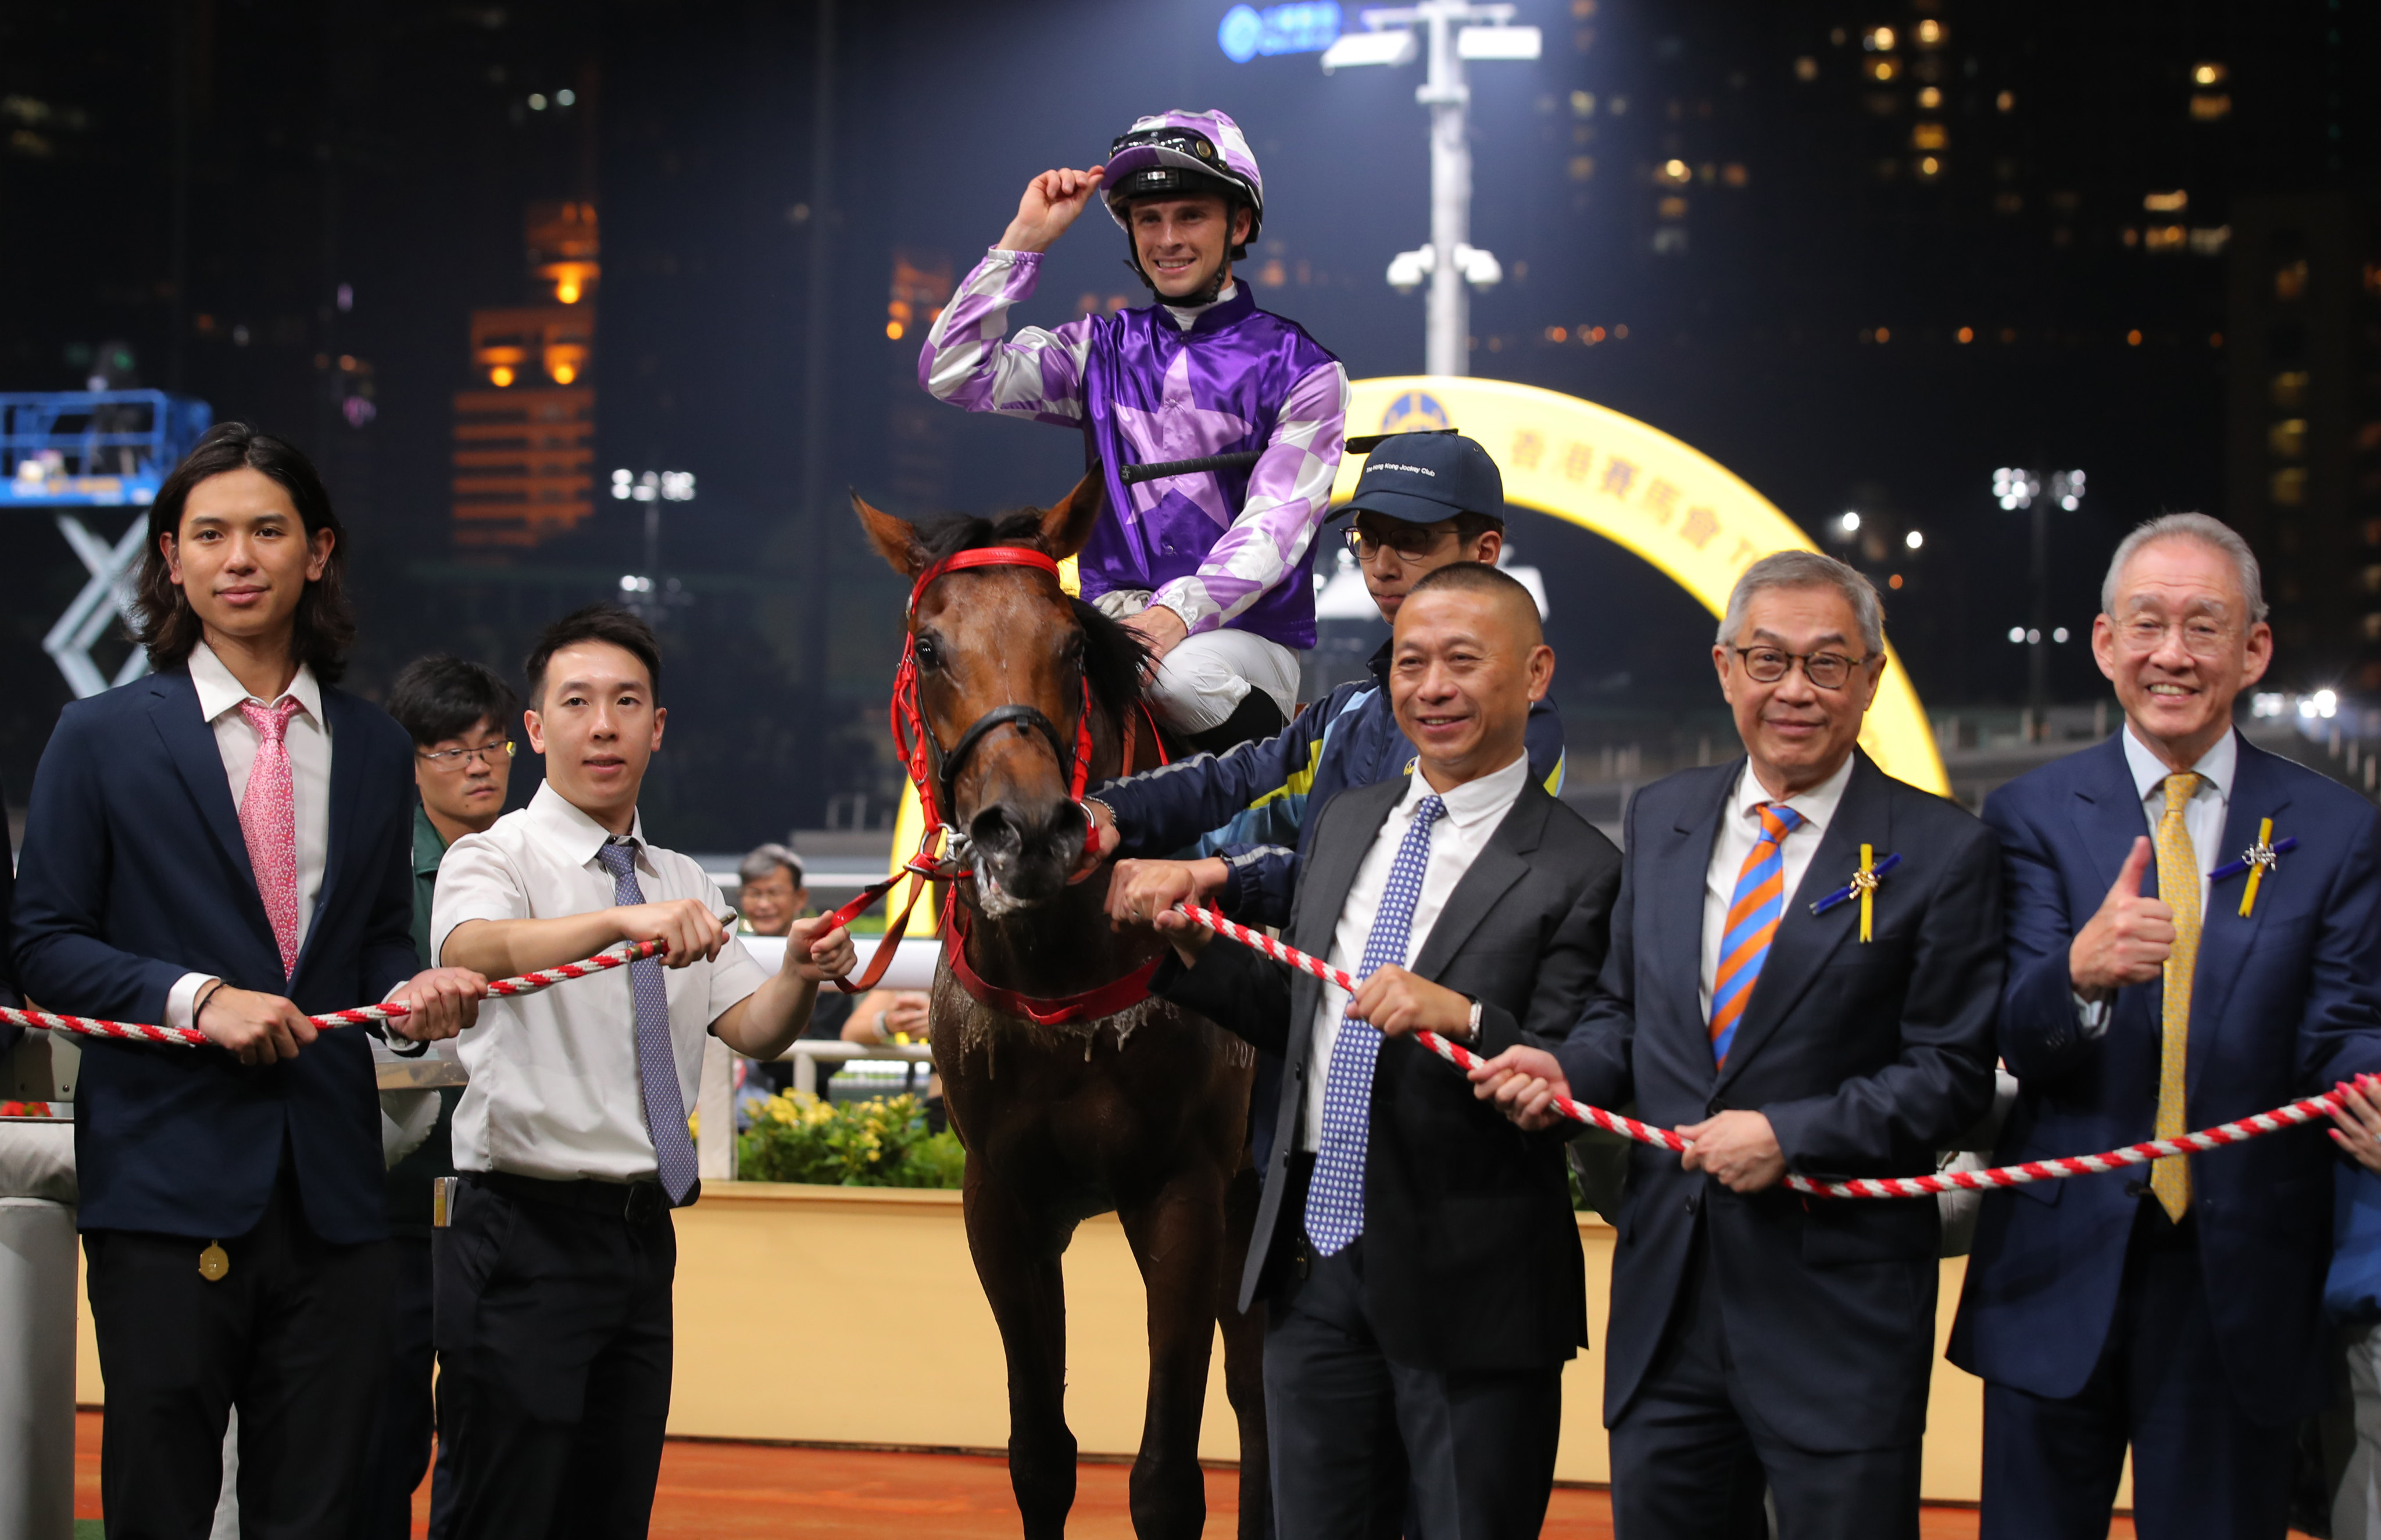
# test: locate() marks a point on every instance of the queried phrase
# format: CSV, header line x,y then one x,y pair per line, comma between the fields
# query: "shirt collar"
x,y
220,692
1818,806
1186,316
578,834
2150,772
1472,801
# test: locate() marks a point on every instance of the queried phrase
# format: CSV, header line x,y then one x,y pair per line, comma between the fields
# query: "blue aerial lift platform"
x,y
67,451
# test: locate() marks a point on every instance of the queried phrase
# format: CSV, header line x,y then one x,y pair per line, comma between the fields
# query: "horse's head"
x,y
1004,659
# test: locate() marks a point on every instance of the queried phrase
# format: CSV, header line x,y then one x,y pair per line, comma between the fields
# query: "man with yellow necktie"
x,y
2179,1316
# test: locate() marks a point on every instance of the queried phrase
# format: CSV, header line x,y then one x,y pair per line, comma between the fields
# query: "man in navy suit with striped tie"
x,y
1419,1261
1754,1003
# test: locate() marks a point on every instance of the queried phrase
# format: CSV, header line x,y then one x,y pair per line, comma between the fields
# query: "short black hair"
x,y
594,623
163,621
1481,578
444,696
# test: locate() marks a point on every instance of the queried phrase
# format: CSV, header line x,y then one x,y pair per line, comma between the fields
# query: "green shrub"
x,y
796,1136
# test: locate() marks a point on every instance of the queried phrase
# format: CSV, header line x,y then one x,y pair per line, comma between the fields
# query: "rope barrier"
x,y
191,1036
2297,1114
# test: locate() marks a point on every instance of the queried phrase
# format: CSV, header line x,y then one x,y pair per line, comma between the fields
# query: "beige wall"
x,y
853,1316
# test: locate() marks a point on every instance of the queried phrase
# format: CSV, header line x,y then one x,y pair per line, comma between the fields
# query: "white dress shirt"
x,y
2203,818
554,1090
1740,828
308,739
1474,811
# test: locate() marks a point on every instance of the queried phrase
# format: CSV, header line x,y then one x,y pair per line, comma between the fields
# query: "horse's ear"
x,y
895,539
1067,524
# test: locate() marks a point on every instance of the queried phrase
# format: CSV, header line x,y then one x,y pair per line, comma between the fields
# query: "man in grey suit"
x,y
1417,1253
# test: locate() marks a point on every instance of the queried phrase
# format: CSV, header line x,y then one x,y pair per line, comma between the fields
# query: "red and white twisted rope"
x,y
191,1036
2307,1111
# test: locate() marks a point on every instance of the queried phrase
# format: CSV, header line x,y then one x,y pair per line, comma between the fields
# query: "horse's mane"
x,y
1113,657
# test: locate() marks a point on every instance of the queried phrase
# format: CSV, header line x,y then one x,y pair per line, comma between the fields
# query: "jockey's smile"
x,y
1182,242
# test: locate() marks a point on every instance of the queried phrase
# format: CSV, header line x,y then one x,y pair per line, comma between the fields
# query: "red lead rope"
x,y
2297,1114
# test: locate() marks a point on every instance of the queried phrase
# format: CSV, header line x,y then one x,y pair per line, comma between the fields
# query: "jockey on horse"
x,y
1213,566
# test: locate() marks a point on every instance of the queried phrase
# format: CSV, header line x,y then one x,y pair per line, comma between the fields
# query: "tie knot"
x,y
1429,810
2180,786
618,859
1777,820
272,722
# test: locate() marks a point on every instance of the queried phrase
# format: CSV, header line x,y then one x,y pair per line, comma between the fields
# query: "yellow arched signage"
x,y
1682,511
1641,488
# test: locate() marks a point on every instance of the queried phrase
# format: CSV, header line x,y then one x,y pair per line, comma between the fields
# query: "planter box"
x,y
852,1314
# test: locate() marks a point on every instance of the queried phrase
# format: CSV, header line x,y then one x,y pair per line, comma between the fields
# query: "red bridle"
x,y
929,768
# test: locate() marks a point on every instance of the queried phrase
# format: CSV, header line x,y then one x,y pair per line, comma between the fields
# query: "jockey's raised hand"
x,y
1052,202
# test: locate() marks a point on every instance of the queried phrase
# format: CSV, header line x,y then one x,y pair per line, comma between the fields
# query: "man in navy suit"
x,y
1759,1337
2180,1310
225,845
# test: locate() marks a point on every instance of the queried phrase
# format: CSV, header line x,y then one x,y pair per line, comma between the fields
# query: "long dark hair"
x,y
325,622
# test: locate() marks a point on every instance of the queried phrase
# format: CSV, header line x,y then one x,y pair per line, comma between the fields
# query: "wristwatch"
x,y
1473,1031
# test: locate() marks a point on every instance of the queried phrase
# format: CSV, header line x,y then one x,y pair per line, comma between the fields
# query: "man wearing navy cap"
x,y
1425,499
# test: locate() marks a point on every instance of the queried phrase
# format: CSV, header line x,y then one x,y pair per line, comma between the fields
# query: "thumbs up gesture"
x,y
2127,941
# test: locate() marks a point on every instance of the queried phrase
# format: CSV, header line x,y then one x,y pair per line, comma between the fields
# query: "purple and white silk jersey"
x,y
1165,383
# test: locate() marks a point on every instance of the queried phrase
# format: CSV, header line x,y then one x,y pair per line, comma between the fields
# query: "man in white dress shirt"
x,y
554,1324
1419,1259
223,844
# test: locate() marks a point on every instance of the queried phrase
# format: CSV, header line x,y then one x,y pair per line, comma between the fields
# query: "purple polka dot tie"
x,y
1335,1204
656,1063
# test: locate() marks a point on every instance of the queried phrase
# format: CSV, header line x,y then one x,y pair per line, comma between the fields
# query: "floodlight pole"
x,y
1452,264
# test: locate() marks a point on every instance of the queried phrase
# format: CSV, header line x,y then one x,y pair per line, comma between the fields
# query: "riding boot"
x,y
1256,717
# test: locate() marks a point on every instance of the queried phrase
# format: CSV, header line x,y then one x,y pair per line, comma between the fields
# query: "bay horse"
x,y
1074,1091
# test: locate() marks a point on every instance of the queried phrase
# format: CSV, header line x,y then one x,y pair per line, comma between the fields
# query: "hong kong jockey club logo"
x,y
1414,412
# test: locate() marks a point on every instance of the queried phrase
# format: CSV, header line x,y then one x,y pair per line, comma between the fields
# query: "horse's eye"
x,y
929,656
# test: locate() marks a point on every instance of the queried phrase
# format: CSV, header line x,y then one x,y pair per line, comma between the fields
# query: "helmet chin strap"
x,y
1207,296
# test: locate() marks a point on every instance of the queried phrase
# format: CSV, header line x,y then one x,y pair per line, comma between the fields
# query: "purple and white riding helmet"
x,y
1175,152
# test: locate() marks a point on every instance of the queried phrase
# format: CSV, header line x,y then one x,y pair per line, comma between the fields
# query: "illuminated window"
x,y
2208,106
2372,579
1928,135
1672,207
2133,337
1676,172
500,376
1929,167
2287,439
1878,39
2289,388
2165,202
1581,167
2373,278
2210,74
2006,102
1557,333
1884,69
1930,34
1806,68
1734,174
2290,280
1582,103
2210,242
2373,628
1931,99
2289,486
2131,236
1965,335
2164,238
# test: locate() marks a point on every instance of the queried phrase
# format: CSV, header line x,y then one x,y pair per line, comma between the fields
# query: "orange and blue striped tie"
x,y
1753,915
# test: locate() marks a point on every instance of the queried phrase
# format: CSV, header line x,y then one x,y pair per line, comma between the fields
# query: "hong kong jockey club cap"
x,y
1424,478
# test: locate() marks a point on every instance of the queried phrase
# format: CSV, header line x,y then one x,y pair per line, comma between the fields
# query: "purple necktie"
x,y
656,1062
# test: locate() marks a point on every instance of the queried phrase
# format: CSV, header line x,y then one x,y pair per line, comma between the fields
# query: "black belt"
x,y
637,1202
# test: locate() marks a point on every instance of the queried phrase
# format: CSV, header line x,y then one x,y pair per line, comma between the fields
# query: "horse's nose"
x,y
1027,852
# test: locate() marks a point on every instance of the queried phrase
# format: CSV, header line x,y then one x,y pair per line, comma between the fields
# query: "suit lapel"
x,y
1678,872
347,770
1805,941
190,744
2108,814
2225,939
1322,892
1501,863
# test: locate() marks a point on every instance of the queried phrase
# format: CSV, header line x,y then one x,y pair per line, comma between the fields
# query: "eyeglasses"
x,y
2201,637
1828,671
452,758
1409,540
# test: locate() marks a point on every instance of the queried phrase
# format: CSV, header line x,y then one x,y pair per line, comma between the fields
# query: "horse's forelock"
x,y
1113,656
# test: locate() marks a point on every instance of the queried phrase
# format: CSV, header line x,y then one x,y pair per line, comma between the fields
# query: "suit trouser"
x,y
2200,1465
1689,1460
397,1455
1479,1444
295,1335
554,1338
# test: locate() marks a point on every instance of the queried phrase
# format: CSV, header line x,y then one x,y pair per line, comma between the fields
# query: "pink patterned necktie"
x,y
268,819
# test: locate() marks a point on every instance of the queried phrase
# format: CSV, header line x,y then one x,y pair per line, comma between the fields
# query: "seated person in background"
x,y
1426,501
771,896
